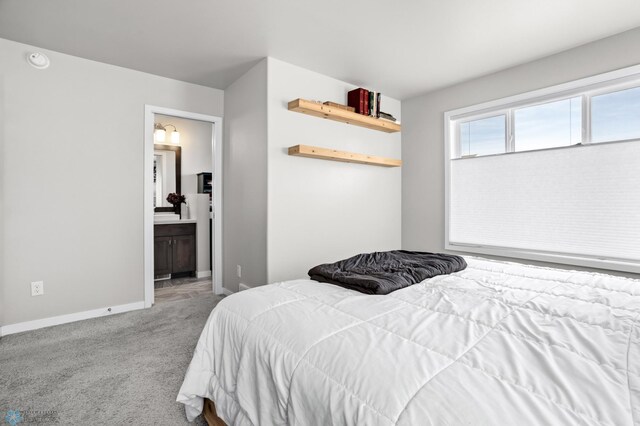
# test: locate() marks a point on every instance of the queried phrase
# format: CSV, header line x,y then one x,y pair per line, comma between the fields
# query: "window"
x,y
483,137
538,124
548,125
616,116
549,175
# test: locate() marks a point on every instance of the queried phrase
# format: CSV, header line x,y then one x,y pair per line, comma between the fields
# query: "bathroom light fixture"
x,y
160,133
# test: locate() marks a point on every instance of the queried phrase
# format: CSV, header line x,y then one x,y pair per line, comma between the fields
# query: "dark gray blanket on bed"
x,y
387,271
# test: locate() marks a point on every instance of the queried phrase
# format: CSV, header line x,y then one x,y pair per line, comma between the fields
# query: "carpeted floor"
x,y
116,370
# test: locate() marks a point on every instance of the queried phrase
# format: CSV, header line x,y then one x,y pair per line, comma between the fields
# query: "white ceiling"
x,y
399,47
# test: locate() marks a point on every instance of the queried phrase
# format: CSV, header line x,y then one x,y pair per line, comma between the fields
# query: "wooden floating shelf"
x,y
342,115
345,157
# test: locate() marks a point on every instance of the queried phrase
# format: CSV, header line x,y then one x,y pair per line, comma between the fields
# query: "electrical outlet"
x,y
37,288
239,271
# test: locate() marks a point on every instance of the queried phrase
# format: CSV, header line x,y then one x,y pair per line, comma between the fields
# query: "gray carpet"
x,y
116,370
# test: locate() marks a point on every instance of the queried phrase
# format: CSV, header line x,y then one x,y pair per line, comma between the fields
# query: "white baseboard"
x,y
64,319
242,287
226,291
203,274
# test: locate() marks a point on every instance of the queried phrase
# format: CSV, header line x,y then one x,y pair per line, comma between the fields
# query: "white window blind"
x,y
583,201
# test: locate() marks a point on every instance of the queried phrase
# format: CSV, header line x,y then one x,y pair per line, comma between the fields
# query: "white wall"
x,y
75,217
322,211
284,215
245,179
195,140
422,133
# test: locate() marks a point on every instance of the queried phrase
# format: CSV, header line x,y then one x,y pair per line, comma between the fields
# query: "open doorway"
x,y
182,204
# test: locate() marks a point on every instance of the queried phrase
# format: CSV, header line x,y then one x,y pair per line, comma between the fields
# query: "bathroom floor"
x,y
178,281
181,289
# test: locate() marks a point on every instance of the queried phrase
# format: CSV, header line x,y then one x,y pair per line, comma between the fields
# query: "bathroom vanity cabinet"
x,y
174,248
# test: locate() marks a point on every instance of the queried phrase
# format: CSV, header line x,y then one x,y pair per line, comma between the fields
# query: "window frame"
x,y
610,82
507,107
482,117
585,122
606,91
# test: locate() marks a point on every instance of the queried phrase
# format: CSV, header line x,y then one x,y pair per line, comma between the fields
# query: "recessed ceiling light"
x,y
38,60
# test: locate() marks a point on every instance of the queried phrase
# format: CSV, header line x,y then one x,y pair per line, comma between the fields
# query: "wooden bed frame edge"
x,y
210,415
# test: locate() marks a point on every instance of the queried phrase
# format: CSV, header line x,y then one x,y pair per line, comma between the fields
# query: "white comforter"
x,y
495,344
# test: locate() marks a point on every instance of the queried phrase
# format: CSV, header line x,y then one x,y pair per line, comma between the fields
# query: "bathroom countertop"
x,y
173,222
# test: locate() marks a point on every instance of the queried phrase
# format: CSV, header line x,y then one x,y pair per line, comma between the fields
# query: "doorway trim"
x,y
216,140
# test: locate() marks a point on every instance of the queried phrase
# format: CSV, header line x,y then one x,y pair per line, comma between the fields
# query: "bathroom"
x,y
183,207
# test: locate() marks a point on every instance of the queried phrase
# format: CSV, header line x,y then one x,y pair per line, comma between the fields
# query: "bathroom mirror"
x,y
167,164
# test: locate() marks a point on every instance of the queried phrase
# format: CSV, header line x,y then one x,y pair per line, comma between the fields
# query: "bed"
x,y
496,343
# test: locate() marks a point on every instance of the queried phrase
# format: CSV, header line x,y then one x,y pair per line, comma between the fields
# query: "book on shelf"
x,y
359,100
366,102
368,110
365,111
